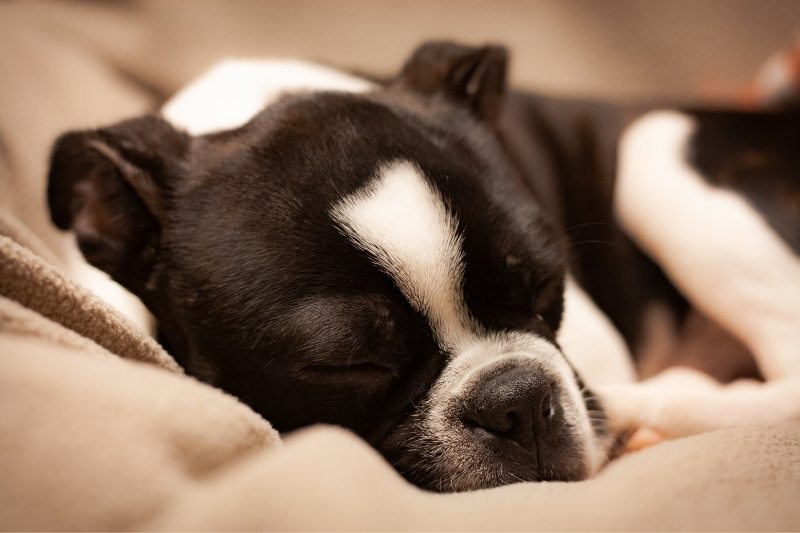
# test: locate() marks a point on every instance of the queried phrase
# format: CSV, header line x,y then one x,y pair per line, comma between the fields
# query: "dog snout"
x,y
516,405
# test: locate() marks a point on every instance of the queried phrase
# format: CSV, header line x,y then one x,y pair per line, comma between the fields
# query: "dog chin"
x,y
465,459
449,456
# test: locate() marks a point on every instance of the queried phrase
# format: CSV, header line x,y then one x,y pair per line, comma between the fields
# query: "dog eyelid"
x,y
366,370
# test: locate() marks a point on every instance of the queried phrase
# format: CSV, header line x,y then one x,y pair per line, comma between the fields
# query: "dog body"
x,y
402,259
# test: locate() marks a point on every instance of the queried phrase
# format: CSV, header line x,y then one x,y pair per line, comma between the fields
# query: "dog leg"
x,y
719,251
682,401
713,245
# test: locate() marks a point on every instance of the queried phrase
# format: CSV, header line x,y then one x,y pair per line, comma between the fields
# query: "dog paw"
x,y
681,402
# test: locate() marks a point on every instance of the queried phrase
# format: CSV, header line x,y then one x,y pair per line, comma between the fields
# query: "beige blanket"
x,y
99,428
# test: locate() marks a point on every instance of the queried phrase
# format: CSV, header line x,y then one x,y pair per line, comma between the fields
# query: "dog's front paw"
x,y
682,402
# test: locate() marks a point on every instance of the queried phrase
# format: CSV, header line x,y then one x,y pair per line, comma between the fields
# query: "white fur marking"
x,y
403,223
234,91
714,246
108,290
591,341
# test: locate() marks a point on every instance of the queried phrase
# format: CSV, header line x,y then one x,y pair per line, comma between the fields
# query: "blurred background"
x,y
606,48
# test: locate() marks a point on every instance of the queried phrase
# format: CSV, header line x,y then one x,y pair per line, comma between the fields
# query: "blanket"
x,y
101,430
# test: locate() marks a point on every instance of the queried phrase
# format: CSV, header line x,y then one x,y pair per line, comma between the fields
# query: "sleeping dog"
x,y
450,269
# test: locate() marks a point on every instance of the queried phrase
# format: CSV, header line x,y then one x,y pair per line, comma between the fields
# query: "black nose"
x,y
515,405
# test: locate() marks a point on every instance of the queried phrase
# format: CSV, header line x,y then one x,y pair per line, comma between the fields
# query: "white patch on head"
x,y
713,244
405,226
403,223
234,91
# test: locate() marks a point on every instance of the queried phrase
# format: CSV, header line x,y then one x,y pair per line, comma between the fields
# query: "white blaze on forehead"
x,y
234,91
403,223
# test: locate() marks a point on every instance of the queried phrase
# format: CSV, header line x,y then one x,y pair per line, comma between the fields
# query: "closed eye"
x,y
365,370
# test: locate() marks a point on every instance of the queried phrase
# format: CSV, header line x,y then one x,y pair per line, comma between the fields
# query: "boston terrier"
x,y
396,256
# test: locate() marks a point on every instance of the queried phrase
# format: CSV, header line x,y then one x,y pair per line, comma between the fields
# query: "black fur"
x,y
757,155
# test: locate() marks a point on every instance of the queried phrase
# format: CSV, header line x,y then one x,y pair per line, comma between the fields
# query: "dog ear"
x,y
468,75
111,186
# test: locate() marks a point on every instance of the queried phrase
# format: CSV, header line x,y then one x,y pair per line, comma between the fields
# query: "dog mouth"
x,y
473,458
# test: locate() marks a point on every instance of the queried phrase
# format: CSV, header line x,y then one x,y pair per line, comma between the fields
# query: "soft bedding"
x,y
100,429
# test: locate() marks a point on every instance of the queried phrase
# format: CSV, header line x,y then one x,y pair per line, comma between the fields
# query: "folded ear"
x,y
472,76
111,186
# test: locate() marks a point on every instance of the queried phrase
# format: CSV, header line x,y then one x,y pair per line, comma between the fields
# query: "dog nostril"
x,y
508,423
469,422
515,406
496,423
547,406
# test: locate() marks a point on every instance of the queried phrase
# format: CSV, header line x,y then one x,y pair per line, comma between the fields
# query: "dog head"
x,y
357,254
